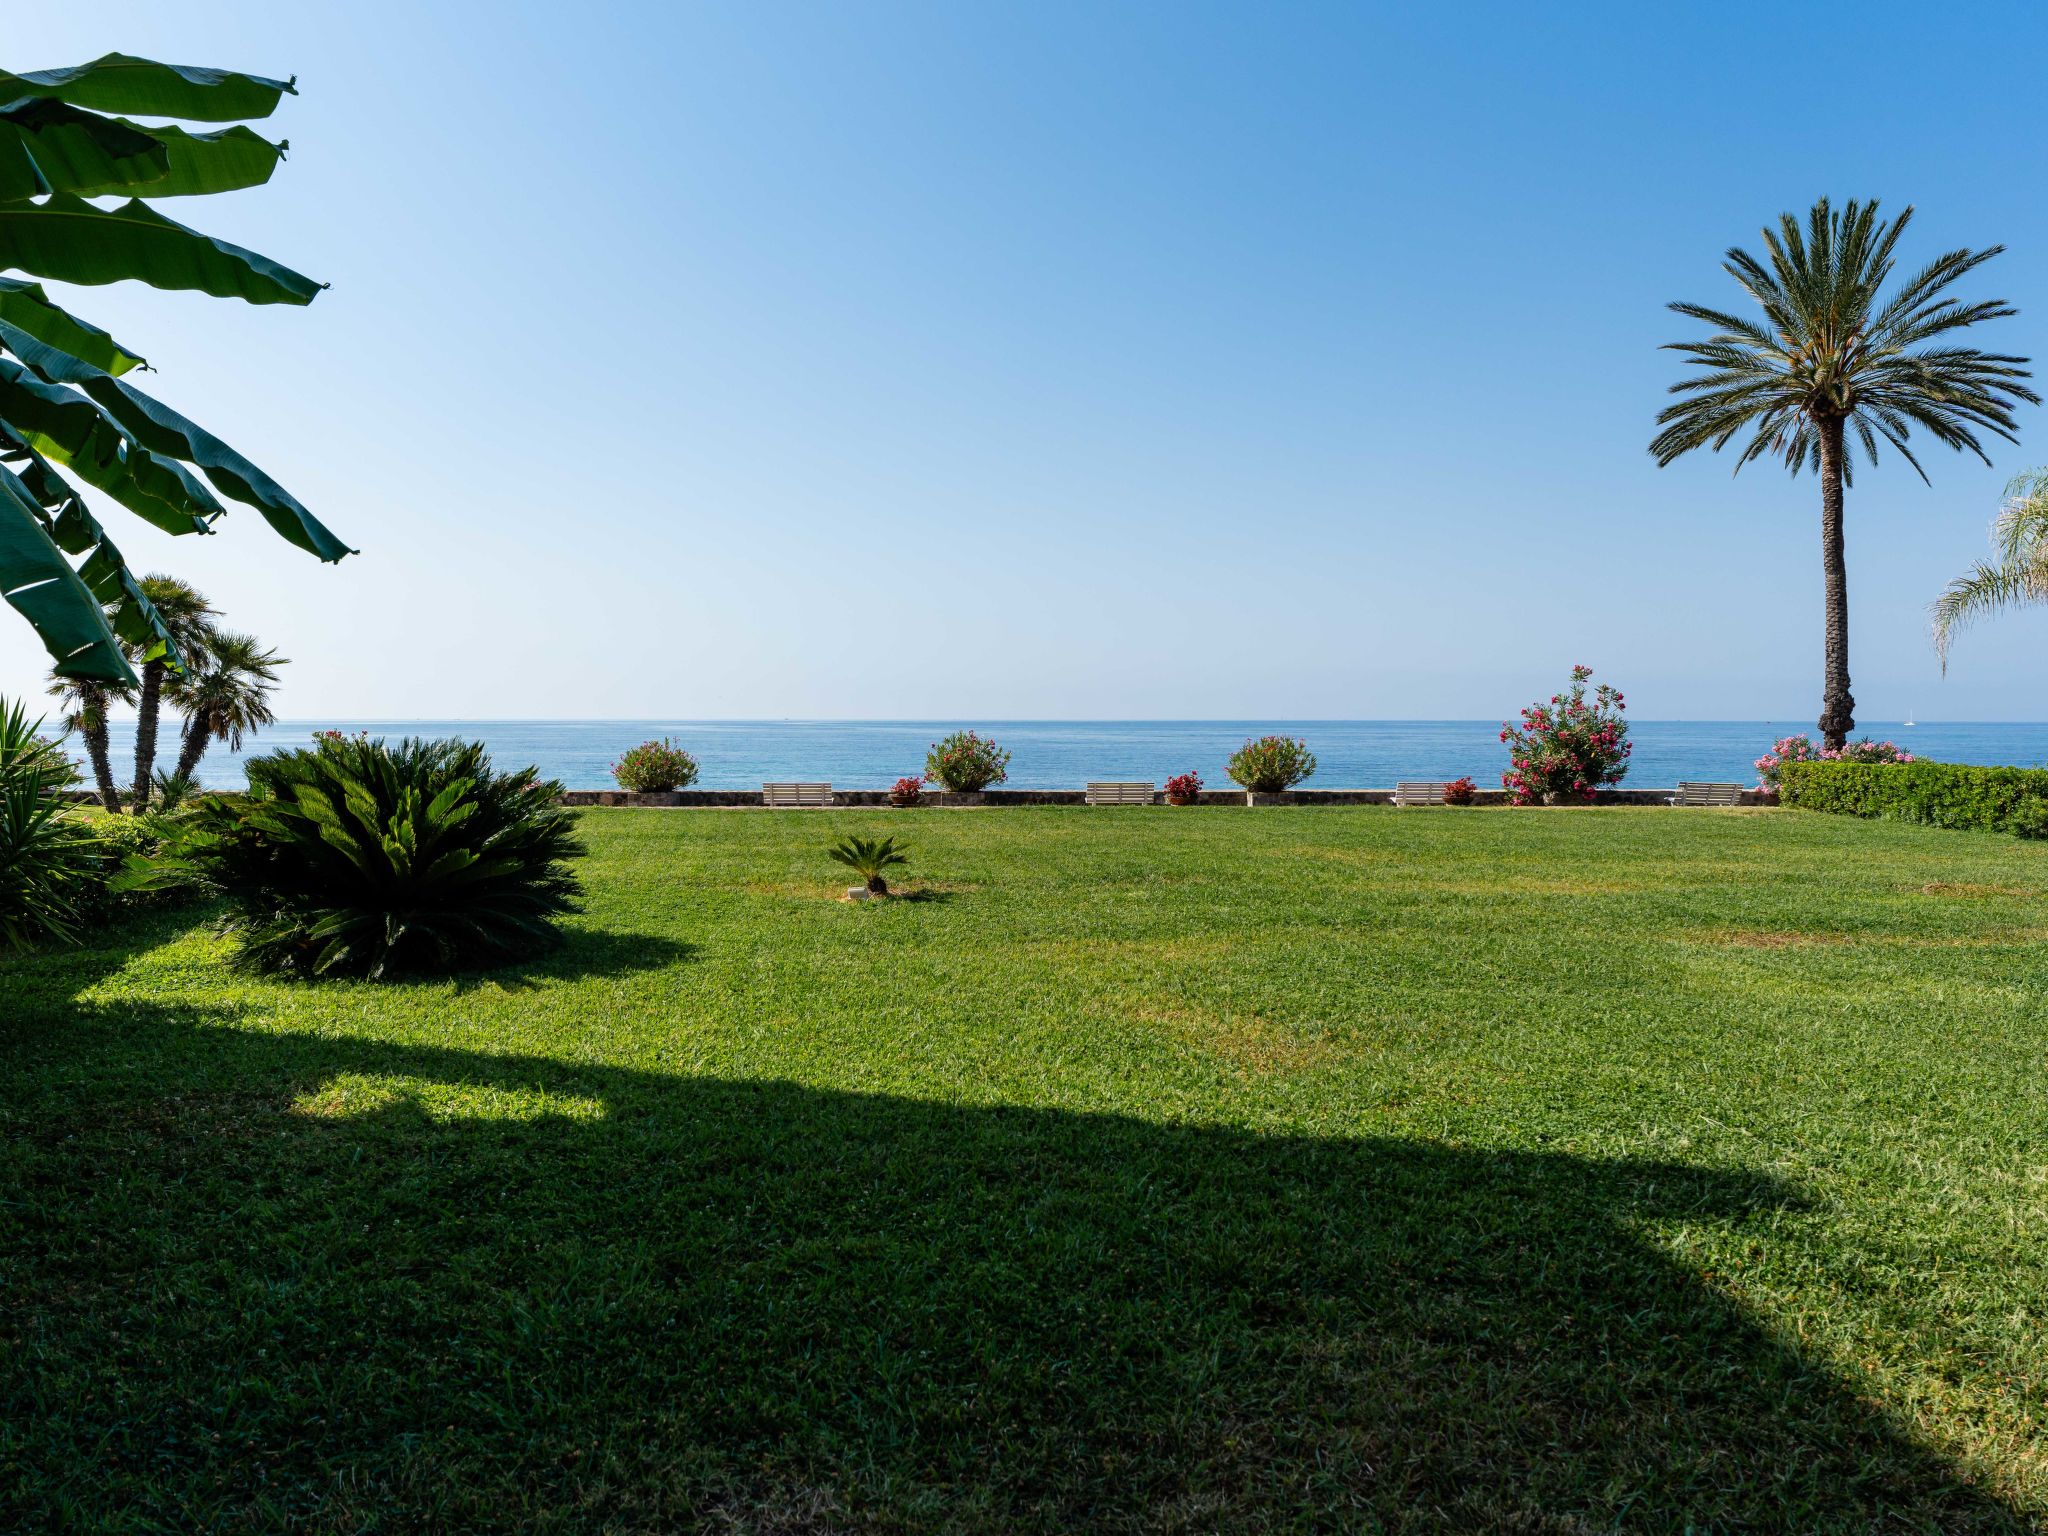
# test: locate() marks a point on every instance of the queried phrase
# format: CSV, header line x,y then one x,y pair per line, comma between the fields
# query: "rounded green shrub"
x,y
355,858
1271,764
655,767
965,763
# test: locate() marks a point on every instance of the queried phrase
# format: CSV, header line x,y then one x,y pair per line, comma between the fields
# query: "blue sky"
x,y
1061,361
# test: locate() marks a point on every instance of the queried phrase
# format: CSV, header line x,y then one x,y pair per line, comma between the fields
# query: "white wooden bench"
x,y
1119,793
785,796
1694,793
1419,792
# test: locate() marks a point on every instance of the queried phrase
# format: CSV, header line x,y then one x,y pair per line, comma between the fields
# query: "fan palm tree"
x,y
85,703
2019,534
1834,355
183,614
225,697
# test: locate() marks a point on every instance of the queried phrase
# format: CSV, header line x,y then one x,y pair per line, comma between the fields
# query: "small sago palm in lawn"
x,y
1832,356
2017,578
868,857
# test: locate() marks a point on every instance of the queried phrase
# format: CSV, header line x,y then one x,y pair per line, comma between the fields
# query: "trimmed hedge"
x,y
1952,795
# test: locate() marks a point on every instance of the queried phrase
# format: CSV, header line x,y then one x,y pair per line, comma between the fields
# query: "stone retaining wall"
x,y
990,798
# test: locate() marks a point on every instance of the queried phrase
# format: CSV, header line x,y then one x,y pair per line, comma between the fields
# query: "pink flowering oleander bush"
x,y
1567,749
1271,764
908,790
655,767
1800,749
1183,786
964,763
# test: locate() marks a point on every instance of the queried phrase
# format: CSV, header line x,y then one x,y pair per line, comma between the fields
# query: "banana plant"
x,y
67,412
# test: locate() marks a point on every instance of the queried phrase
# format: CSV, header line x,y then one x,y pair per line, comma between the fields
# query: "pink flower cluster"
x,y
1568,747
1184,784
1800,749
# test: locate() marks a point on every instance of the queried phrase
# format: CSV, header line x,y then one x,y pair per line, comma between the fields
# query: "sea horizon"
x,y
1064,754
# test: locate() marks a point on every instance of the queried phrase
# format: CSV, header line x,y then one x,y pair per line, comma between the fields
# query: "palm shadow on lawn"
x,y
256,1279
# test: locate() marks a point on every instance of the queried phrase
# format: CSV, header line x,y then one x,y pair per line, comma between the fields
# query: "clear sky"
x,y
1061,360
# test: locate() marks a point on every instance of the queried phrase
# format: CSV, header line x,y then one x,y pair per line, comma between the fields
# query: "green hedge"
x,y
1940,794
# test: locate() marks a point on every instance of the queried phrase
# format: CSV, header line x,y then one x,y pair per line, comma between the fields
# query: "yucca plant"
x,y
352,857
1834,362
47,858
868,857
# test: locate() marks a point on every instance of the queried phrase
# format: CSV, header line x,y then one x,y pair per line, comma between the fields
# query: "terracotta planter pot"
x,y
1180,799
906,802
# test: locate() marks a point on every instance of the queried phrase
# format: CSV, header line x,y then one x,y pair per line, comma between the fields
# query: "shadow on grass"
x,y
291,1283
586,952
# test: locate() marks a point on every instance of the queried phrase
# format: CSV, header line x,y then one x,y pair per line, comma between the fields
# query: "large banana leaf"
x,y
70,239
38,583
25,306
75,531
163,431
225,160
46,146
66,427
120,82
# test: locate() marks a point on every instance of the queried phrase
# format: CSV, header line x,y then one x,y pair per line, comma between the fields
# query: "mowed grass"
x,y
1201,1170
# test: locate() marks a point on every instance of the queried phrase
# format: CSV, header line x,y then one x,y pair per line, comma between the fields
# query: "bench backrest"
x,y
1421,792
1119,793
1692,793
796,794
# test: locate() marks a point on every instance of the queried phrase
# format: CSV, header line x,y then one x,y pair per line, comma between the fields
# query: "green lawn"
x,y
1207,1170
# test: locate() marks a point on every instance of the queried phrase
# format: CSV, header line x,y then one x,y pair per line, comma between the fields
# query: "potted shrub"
x,y
966,764
906,792
1460,791
1182,788
867,858
655,767
1270,765
1563,751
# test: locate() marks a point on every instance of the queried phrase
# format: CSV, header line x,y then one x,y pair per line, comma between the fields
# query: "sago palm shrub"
x,y
352,857
868,858
1834,362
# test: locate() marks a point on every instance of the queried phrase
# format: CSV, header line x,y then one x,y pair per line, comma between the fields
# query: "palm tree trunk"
x,y
1838,705
92,725
196,737
145,730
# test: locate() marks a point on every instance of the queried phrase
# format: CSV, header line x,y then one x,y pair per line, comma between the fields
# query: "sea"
x,y
1065,754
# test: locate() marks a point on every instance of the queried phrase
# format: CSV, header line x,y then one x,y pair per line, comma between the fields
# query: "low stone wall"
x,y
992,798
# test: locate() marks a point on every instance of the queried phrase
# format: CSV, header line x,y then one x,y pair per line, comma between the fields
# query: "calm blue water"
x,y
1064,754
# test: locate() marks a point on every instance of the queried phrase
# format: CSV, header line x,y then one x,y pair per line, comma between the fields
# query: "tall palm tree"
x,y
225,697
1833,355
184,614
85,711
2019,534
